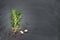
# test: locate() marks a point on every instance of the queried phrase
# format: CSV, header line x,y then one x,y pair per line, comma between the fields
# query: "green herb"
x,y
15,19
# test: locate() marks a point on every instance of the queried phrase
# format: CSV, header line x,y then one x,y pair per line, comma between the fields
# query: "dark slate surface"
x,y
43,16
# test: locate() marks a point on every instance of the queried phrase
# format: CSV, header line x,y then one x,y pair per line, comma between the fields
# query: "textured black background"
x,y
43,16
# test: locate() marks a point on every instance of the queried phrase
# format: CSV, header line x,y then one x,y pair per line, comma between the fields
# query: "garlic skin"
x,y
21,32
26,30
